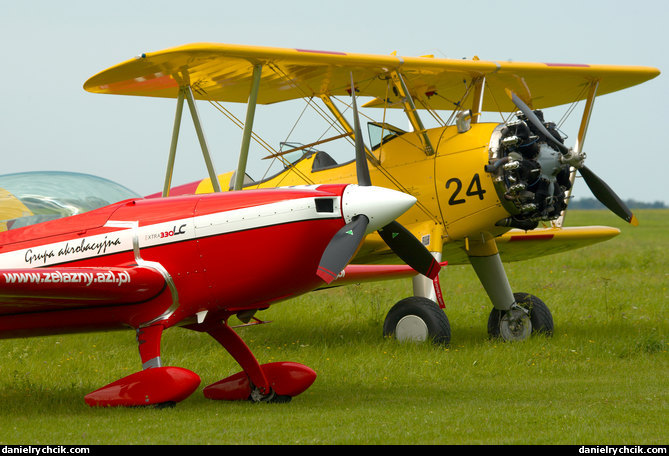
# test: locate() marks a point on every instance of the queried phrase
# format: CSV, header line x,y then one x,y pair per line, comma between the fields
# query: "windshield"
x,y
380,133
34,197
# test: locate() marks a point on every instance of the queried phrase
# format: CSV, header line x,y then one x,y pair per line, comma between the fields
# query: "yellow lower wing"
x,y
517,245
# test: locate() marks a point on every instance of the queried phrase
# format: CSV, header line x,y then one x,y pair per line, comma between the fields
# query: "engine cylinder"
x,y
530,178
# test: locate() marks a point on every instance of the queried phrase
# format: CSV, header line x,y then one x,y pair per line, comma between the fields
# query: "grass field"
x,y
601,379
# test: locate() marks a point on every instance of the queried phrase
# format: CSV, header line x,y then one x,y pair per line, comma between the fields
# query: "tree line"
x,y
592,203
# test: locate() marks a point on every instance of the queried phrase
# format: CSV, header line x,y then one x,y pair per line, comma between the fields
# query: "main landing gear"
x,y
527,316
273,382
160,386
419,318
155,385
514,317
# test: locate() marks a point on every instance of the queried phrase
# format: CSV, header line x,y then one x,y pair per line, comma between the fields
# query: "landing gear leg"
x,y
425,287
273,382
155,385
490,272
514,316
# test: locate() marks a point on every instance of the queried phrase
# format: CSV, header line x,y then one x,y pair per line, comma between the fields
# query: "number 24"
x,y
474,189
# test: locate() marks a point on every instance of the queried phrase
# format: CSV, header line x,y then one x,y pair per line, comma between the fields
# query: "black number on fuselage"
x,y
475,182
474,189
458,186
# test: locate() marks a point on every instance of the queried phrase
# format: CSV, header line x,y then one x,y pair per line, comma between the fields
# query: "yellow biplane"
x,y
487,192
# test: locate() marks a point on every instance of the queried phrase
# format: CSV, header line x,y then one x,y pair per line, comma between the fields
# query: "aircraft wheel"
x,y
256,396
417,319
519,324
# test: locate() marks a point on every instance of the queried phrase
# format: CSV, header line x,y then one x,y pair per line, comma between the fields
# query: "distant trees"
x,y
592,203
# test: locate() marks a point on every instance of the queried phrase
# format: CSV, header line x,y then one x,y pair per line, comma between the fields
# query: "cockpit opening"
x,y
296,152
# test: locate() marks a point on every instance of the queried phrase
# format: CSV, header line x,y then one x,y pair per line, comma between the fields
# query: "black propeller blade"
x,y
406,246
597,186
341,248
606,196
532,117
399,239
362,170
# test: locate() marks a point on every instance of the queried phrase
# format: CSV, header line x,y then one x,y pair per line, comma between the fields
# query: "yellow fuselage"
x,y
456,196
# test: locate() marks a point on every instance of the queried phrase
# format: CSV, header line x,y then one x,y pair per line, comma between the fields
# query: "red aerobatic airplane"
x,y
192,261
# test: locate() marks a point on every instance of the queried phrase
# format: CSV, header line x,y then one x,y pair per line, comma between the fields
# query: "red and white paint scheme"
x,y
192,261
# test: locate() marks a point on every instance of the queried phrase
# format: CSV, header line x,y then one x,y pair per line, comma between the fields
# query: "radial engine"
x,y
531,178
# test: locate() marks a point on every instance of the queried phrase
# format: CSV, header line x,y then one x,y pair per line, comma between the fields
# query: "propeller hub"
x,y
380,205
573,158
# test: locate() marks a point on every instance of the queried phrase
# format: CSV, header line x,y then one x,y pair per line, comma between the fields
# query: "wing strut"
x,y
200,136
578,146
327,101
173,145
187,93
248,128
411,112
477,103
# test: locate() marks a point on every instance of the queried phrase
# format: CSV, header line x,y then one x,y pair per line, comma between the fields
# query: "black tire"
x,y
418,313
540,316
271,398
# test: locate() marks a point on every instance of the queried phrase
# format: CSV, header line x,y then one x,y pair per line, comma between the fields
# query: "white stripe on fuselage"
x,y
80,248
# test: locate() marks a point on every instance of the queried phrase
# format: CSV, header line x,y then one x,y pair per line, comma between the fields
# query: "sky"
x,y
49,49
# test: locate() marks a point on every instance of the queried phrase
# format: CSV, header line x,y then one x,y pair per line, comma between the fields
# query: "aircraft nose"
x,y
380,205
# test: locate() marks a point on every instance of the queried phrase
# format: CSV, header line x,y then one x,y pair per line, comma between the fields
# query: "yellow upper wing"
x,y
223,72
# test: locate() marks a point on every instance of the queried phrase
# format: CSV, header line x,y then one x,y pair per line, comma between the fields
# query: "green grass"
x,y
601,379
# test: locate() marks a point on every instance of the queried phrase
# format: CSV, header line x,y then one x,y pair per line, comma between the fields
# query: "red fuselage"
x,y
164,260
